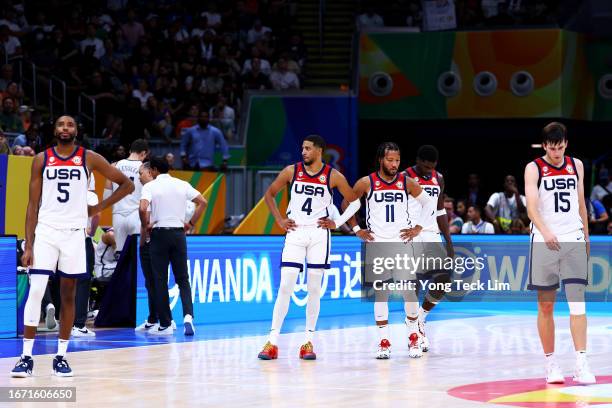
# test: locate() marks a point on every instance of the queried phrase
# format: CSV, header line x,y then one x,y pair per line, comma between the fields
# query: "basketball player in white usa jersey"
x,y
429,240
125,213
56,219
308,237
559,246
387,219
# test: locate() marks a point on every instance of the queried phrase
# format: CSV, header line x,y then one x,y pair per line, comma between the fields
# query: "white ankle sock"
x,y
383,332
62,347
28,344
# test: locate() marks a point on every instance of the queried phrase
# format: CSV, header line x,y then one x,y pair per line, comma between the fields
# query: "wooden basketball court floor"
x,y
474,362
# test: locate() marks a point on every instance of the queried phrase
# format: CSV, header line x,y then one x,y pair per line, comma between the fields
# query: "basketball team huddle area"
x,y
483,334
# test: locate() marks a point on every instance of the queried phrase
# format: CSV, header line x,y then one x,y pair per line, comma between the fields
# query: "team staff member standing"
x,y
167,197
198,145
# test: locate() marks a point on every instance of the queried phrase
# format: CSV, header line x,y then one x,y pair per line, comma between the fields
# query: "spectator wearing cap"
x,y
166,229
198,145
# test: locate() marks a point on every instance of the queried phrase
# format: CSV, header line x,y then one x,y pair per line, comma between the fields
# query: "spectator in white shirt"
x,y
603,188
213,17
264,65
369,19
91,40
142,93
223,117
11,45
200,28
476,225
283,79
505,206
257,32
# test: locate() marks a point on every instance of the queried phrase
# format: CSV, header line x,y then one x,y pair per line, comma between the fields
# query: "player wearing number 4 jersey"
x,y
56,220
125,213
559,245
308,237
388,220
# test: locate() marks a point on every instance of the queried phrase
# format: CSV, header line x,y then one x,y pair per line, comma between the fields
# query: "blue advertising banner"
x,y
8,286
235,278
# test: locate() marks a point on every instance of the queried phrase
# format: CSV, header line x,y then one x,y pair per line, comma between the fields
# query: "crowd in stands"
x,y
151,67
505,212
464,14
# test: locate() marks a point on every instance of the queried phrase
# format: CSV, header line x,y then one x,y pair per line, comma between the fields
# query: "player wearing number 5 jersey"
x,y
308,238
125,213
559,245
56,220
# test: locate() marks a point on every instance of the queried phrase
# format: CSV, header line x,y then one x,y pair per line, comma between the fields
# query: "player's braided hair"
x,y
382,150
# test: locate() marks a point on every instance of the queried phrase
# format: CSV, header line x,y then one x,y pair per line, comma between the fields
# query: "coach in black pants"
x,y
168,197
147,271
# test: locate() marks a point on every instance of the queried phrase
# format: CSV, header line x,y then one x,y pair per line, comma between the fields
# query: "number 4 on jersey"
x,y
307,207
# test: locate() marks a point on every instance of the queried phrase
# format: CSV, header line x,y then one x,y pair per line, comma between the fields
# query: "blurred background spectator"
x,y
506,206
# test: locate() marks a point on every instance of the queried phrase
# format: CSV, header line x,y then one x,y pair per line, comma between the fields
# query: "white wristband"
x,y
356,229
441,212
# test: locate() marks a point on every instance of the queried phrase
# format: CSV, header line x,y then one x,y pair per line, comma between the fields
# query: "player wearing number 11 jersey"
x,y
559,245
388,220
308,237
56,219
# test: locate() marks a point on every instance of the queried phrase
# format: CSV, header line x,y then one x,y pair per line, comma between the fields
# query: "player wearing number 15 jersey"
x,y
56,219
308,237
125,213
559,245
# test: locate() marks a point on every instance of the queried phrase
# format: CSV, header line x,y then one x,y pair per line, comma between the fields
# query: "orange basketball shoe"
x,y
307,352
269,352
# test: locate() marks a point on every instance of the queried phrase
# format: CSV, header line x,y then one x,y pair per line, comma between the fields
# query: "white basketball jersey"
x,y
431,187
131,202
310,195
387,206
558,196
63,203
